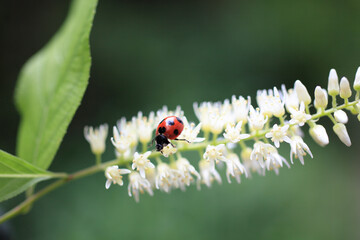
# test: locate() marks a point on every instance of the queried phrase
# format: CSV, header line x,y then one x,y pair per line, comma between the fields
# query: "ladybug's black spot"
x,y
176,132
161,130
170,122
179,120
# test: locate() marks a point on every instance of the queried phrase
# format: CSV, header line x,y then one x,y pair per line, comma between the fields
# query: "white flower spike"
x,y
302,92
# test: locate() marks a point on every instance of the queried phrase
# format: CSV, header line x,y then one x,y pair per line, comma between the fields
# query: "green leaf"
x,y
51,86
17,175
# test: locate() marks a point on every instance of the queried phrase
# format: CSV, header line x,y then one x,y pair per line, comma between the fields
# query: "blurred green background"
x,y
147,54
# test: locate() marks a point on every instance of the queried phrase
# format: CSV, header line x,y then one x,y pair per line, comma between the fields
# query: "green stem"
x,y
98,159
334,101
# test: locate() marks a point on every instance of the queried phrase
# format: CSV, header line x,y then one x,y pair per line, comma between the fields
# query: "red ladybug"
x,y
169,128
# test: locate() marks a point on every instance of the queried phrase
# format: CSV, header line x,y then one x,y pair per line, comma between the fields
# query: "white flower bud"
x,y
357,80
342,133
345,90
318,133
321,98
302,92
333,84
340,116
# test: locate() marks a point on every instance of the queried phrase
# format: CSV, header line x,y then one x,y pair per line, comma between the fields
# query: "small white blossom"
x,y
340,116
299,116
113,175
96,137
299,149
232,132
345,90
164,177
214,154
186,170
256,119
278,135
121,142
164,112
240,108
190,132
302,93
141,162
208,174
321,98
333,84
234,168
357,80
270,102
290,98
318,133
137,185
266,155
145,127
128,130
168,150
342,133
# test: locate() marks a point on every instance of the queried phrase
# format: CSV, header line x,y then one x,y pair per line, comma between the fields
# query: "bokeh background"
x,y
147,54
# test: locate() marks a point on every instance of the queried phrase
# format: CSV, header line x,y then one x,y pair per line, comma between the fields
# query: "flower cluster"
x,y
235,134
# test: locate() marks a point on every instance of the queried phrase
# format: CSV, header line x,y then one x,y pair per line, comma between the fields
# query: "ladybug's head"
x,y
161,142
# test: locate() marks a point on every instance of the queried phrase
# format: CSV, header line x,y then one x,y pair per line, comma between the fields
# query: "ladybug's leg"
x,y
172,145
177,139
152,143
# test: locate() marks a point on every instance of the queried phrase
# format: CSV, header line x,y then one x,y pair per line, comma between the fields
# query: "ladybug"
x,y
169,128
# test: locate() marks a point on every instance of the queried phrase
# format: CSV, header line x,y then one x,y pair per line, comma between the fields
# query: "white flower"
x,y
141,162
318,133
278,135
145,127
333,84
164,177
186,170
299,149
234,168
345,90
357,80
168,150
341,117
128,130
256,119
164,112
138,184
213,116
290,98
96,137
232,132
266,155
270,102
299,116
321,98
214,154
274,159
190,132
208,174
240,108
342,133
121,142
302,92
113,175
